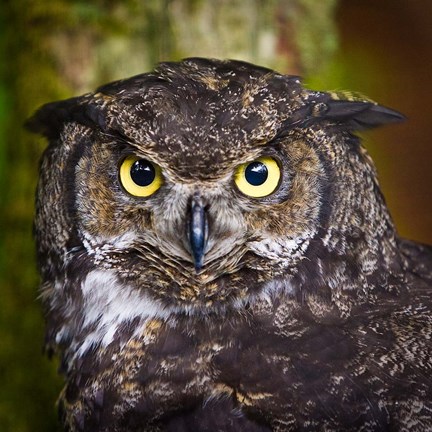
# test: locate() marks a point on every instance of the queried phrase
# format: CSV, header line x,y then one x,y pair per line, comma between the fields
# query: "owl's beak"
x,y
198,230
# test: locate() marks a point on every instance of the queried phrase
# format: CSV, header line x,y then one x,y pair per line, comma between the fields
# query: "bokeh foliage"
x,y
54,49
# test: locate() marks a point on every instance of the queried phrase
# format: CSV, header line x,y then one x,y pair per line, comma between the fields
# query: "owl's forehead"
x,y
203,119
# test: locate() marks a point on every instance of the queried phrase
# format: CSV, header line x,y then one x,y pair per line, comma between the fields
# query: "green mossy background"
x,y
60,48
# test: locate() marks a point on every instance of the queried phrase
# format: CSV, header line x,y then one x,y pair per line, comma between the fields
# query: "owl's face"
x,y
205,227
200,185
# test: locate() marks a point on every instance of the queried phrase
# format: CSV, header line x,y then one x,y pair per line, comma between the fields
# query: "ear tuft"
x,y
50,119
361,115
352,114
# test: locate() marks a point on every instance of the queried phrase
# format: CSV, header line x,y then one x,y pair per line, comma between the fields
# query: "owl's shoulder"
x,y
419,259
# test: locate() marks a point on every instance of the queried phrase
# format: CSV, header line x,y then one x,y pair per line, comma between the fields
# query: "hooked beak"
x,y
197,230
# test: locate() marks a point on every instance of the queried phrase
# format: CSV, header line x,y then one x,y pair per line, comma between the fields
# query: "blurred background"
x,y
56,49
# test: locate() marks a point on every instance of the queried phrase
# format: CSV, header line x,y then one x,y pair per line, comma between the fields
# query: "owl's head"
x,y
203,184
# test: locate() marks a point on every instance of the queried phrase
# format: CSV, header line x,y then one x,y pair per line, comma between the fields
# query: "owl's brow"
x,y
297,120
283,131
117,135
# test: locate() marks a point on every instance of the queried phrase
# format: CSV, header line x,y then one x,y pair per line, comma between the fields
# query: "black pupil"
x,y
142,172
256,173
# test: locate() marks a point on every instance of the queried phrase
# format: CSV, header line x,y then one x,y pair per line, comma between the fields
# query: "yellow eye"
x,y
140,177
259,178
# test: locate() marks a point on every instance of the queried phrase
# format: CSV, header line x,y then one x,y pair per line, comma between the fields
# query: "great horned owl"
x,y
216,255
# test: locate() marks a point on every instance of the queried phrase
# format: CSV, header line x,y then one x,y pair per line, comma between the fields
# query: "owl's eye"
x,y
259,178
140,177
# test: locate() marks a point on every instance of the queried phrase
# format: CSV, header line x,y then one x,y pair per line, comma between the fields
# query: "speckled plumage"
x,y
309,313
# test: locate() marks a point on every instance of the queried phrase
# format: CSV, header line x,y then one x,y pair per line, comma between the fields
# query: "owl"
x,y
216,255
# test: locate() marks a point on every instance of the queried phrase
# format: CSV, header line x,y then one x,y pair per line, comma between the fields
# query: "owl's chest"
x,y
315,373
175,369
167,370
